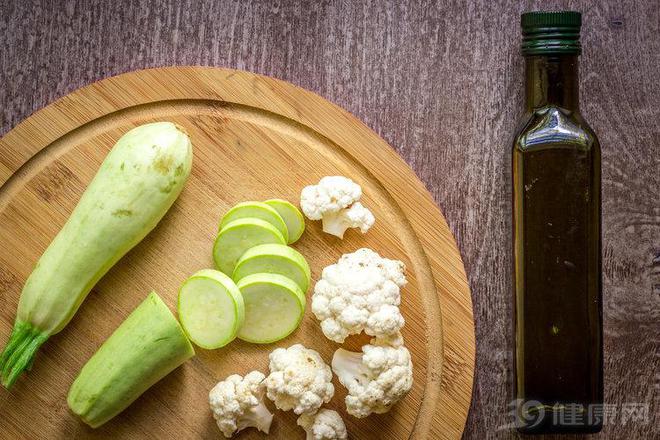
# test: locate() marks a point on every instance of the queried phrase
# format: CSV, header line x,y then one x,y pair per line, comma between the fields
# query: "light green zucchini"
x,y
135,186
274,307
258,210
293,218
146,347
239,236
274,258
211,309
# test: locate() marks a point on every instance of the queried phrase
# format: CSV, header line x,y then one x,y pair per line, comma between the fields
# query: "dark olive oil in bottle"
x,y
556,238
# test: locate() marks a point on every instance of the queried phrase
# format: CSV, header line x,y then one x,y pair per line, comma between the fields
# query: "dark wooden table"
x,y
442,83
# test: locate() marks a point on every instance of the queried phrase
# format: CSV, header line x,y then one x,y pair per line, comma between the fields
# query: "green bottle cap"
x,y
546,33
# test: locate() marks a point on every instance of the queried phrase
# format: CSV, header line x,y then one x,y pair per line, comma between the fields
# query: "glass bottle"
x,y
556,238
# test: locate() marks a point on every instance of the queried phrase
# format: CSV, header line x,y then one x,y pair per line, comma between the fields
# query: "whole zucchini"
x,y
148,345
135,186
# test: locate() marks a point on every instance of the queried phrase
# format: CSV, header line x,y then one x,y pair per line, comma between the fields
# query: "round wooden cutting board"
x,y
254,138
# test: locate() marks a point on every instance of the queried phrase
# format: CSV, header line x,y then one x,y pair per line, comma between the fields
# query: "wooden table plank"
x,y
442,83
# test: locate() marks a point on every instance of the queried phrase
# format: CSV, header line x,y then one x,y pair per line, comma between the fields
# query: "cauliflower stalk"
x,y
334,200
299,380
361,292
237,403
324,425
375,379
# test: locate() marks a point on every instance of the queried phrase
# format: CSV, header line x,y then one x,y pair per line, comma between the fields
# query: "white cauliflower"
x,y
334,200
324,425
299,380
237,403
361,292
375,379
357,216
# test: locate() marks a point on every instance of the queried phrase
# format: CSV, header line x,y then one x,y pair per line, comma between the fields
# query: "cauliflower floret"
x,y
361,292
237,403
375,379
357,216
324,425
331,194
299,380
334,200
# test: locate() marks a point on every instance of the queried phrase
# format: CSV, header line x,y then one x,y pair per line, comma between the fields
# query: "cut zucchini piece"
x,y
274,307
146,347
274,258
295,222
211,309
259,210
239,236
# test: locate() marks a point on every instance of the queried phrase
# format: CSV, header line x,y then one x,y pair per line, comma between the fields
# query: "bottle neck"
x,y
551,80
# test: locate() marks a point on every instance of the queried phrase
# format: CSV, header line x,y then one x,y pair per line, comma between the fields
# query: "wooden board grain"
x,y
254,138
